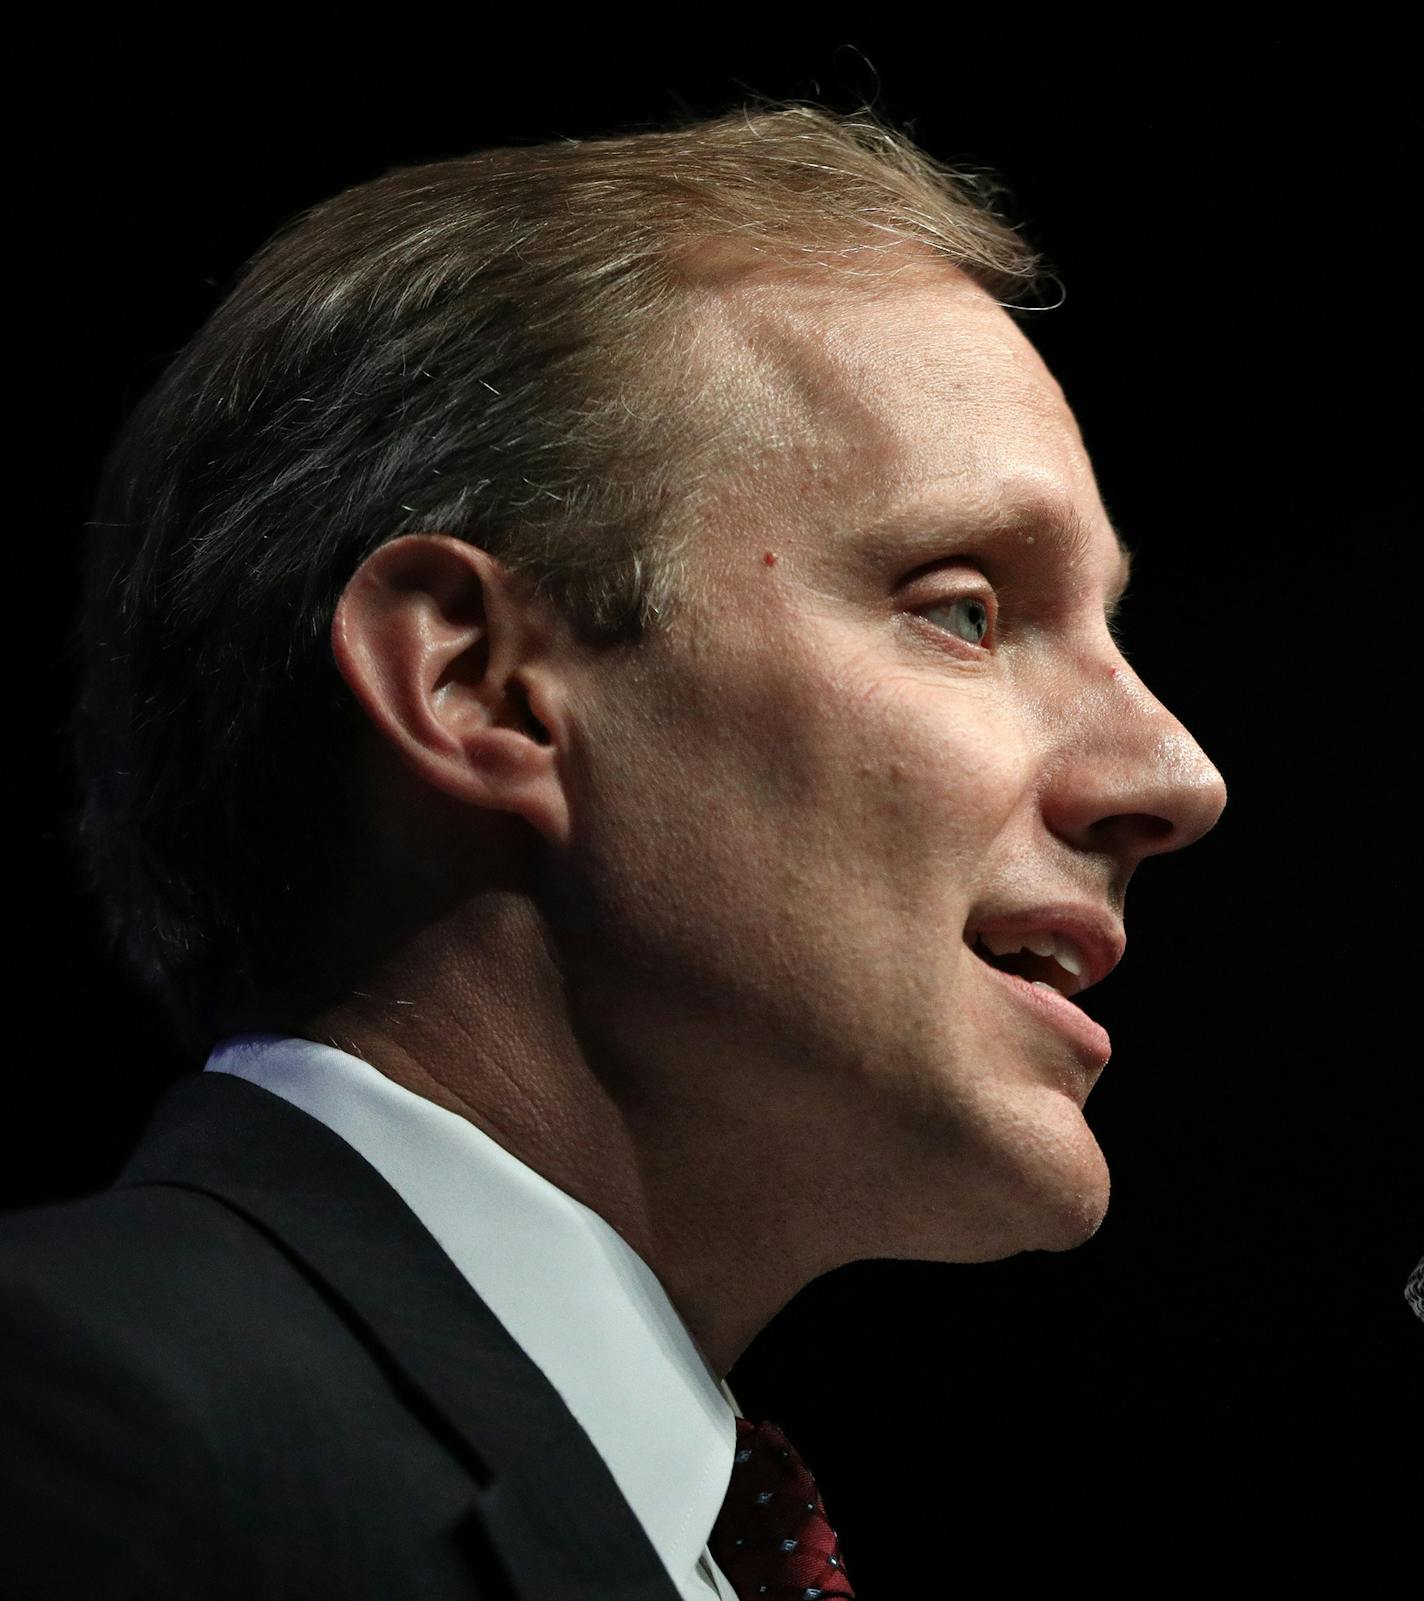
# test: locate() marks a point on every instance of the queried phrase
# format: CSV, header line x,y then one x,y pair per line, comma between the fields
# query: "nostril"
x,y
1148,827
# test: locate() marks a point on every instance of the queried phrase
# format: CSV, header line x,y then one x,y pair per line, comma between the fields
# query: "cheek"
x,y
761,817
942,773
683,803
858,782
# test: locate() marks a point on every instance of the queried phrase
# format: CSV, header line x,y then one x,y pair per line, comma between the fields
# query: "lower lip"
x,y
1090,1039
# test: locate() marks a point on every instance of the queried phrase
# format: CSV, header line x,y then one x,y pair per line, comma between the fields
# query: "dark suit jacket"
x,y
247,1371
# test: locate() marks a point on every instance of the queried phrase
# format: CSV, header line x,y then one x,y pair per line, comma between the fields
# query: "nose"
x,y
1128,779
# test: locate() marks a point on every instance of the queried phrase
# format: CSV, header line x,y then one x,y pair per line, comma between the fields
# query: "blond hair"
x,y
499,347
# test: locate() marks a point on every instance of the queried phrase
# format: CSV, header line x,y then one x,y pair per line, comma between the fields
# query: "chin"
x,y
1077,1225
1074,1209
1055,1208
1057,1196
1023,1173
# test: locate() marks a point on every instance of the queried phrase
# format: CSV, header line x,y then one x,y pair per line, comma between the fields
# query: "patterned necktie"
x,y
771,1537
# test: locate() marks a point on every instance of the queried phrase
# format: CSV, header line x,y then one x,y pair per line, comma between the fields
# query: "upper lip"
x,y
1096,935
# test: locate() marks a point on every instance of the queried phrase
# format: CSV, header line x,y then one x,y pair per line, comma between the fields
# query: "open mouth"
x,y
1047,988
1026,964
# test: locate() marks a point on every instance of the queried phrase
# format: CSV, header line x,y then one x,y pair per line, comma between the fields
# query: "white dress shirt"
x,y
568,1287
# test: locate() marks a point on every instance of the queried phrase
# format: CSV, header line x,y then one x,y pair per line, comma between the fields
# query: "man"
x,y
740,776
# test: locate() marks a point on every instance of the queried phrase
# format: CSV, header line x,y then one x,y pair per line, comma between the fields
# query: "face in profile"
x,y
891,719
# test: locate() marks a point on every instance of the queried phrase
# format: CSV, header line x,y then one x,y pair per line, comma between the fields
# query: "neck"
x,y
476,1014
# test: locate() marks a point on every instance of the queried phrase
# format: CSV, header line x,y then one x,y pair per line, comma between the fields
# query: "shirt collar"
x,y
582,1303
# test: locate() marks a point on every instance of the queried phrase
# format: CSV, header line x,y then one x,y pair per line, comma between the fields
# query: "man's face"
x,y
893,713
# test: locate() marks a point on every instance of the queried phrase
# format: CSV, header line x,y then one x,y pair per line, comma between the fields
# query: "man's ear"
x,y
451,662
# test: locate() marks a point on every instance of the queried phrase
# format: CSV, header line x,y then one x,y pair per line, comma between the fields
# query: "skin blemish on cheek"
x,y
769,559
1112,672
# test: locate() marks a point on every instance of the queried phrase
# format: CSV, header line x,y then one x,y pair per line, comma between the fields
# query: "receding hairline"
x,y
1016,503
461,346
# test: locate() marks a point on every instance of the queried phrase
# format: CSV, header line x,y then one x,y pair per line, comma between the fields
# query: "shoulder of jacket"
x,y
161,1283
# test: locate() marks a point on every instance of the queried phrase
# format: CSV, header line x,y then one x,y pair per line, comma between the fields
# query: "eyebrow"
x,y
924,521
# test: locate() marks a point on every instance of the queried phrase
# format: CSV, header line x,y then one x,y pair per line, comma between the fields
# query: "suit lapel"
x,y
547,1511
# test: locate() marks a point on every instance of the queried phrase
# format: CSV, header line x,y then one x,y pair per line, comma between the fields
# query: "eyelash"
x,y
1114,625
955,600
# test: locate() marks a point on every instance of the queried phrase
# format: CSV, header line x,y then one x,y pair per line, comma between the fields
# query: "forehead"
x,y
865,400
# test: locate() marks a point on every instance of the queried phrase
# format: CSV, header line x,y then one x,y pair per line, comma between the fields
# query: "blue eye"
x,y
971,607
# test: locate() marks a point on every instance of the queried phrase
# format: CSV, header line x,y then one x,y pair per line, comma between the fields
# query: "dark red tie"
x,y
771,1537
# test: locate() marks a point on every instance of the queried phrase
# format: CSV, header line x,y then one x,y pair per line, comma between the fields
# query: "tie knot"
x,y
772,1538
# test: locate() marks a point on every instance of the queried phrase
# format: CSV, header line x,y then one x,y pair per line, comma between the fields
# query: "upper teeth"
x,y
1061,950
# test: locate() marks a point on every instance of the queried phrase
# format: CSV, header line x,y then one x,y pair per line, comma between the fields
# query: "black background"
x,y
1220,1385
